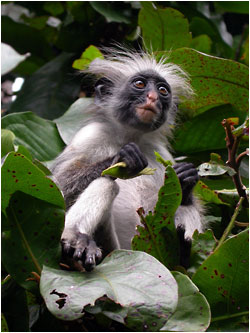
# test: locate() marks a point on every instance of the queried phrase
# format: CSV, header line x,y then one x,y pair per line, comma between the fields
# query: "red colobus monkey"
x,y
135,101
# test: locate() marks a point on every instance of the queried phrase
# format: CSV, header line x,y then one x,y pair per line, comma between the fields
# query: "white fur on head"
x,y
120,64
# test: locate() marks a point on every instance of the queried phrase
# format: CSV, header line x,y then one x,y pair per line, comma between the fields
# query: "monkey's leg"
x,y
90,210
188,215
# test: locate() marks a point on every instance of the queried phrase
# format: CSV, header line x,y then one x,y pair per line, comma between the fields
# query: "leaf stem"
x,y
233,315
231,223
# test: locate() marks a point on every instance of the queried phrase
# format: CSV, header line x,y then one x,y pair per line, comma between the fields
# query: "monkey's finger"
x,y
93,255
189,183
78,253
180,167
67,248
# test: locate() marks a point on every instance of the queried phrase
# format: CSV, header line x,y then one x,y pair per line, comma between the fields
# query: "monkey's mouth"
x,y
146,113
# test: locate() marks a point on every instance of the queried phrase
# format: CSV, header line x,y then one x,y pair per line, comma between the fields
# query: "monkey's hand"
x,y
133,157
188,177
81,247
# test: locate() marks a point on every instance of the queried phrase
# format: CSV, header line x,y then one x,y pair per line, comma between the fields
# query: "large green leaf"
x,y
40,136
50,90
20,174
157,235
31,232
223,278
72,120
163,29
135,280
215,80
193,312
204,132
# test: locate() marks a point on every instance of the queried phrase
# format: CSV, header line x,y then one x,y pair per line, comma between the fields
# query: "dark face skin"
x,y
144,101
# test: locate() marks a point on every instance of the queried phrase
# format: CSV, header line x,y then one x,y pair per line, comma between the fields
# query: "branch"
x,y
231,223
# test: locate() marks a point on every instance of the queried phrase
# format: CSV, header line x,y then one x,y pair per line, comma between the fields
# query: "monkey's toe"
x,y
82,249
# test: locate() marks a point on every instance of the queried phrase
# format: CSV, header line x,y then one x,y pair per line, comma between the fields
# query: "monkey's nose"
x,y
152,96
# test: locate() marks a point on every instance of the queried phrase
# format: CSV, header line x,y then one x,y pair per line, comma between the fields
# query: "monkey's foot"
x,y
82,248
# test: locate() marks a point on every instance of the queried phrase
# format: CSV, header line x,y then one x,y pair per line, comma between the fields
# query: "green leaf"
x,y
71,122
119,170
55,8
20,174
223,277
7,142
157,235
242,130
143,287
163,29
203,192
213,169
30,237
4,325
10,58
193,312
58,85
241,7
203,245
202,43
204,132
162,161
87,56
38,135
110,11
215,80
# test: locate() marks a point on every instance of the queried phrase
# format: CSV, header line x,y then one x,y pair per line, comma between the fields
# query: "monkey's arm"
x,y
90,198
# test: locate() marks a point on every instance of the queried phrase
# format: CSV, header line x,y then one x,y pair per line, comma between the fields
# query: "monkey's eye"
x,y
139,84
163,91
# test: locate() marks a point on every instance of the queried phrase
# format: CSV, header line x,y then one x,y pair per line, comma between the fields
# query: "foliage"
x,y
129,290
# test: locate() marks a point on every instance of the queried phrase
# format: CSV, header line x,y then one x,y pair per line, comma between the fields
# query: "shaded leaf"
x,y
38,135
204,132
111,11
202,43
72,120
7,142
58,85
19,174
203,245
223,277
31,237
163,29
193,312
134,280
53,7
14,307
157,234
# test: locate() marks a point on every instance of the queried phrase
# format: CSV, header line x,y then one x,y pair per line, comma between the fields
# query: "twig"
x,y
233,161
231,223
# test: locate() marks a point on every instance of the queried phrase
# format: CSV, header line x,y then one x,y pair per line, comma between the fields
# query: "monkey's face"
x,y
144,101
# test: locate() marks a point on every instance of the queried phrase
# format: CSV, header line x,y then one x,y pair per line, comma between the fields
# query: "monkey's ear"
x,y
102,89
